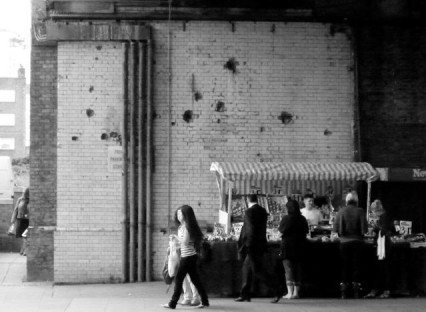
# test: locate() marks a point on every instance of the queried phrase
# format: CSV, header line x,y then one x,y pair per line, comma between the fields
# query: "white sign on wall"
x,y
115,159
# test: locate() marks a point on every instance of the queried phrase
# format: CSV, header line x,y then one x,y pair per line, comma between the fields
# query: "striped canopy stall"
x,y
267,171
289,178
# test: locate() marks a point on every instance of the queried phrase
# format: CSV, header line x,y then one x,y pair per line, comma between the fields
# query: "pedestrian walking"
x,y
20,217
189,237
252,246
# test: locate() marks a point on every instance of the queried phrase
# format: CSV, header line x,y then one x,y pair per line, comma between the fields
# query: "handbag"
x,y
12,230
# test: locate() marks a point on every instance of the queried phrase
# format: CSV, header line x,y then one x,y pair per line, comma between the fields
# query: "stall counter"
x,y
221,271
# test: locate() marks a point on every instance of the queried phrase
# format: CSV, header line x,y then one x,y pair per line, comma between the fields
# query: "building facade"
x,y
12,115
171,89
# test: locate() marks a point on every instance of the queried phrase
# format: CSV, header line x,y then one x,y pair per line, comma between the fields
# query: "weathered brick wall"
x,y
300,68
88,235
42,162
303,69
392,79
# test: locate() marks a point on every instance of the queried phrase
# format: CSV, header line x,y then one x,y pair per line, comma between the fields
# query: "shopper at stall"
x,y
383,229
293,228
189,237
351,225
312,214
251,246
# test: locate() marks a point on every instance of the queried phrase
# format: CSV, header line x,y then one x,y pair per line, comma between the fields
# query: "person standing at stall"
x,y
351,225
383,229
189,237
251,246
293,228
312,214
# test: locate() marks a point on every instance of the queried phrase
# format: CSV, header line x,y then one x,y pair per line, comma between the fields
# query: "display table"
x,y
221,273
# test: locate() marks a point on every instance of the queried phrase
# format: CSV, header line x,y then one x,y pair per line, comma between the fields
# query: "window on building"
x,y
7,119
7,95
7,143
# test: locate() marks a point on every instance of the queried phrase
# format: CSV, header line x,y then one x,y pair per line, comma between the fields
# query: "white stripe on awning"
x,y
294,171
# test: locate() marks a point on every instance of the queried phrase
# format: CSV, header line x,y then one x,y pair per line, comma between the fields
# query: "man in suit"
x,y
252,245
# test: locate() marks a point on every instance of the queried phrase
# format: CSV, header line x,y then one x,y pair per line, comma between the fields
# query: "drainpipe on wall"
x,y
125,220
141,217
132,146
148,161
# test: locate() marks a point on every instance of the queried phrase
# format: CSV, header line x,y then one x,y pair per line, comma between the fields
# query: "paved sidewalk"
x,y
17,295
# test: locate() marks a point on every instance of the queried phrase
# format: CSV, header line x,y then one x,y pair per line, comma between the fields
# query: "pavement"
x,y
17,295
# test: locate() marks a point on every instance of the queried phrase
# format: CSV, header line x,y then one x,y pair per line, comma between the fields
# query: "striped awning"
x,y
294,171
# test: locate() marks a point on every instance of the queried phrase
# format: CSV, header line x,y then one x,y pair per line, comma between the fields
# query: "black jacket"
x,y
293,240
253,232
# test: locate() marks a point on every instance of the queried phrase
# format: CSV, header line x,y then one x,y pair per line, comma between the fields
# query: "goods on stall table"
x,y
263,201
276,204
219,233
272,234
238,206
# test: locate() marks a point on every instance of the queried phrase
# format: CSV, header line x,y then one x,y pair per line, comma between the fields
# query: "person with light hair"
x,y
383,229
351,225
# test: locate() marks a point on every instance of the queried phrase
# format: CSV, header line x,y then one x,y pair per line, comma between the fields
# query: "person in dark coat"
x,y
252,245
383,229
351,225
293,228
21,219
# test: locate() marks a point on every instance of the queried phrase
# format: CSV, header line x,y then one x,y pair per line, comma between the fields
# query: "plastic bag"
x,y
12,230
174,257
166,276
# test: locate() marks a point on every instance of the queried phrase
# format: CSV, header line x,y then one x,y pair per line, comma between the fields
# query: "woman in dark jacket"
x,y
293,228
383,228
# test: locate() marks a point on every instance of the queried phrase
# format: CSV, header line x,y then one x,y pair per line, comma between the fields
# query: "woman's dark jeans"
x,y
188,265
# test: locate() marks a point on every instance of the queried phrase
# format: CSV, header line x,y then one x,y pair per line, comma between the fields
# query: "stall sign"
x,y
219,229
407,174
405,227
236,227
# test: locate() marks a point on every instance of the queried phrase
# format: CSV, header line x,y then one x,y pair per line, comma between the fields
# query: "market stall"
x,y
275,182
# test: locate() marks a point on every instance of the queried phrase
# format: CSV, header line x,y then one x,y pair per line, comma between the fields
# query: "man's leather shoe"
x,y
276,299
241,299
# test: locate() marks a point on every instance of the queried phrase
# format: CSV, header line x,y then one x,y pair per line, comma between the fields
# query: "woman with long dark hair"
x,y
189,237
293,228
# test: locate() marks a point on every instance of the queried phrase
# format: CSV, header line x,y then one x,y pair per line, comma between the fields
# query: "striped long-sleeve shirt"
x,y
187,248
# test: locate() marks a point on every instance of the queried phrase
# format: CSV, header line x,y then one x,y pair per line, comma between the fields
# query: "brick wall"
x,y
392,79
303,69
42,162
294,67
88,236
